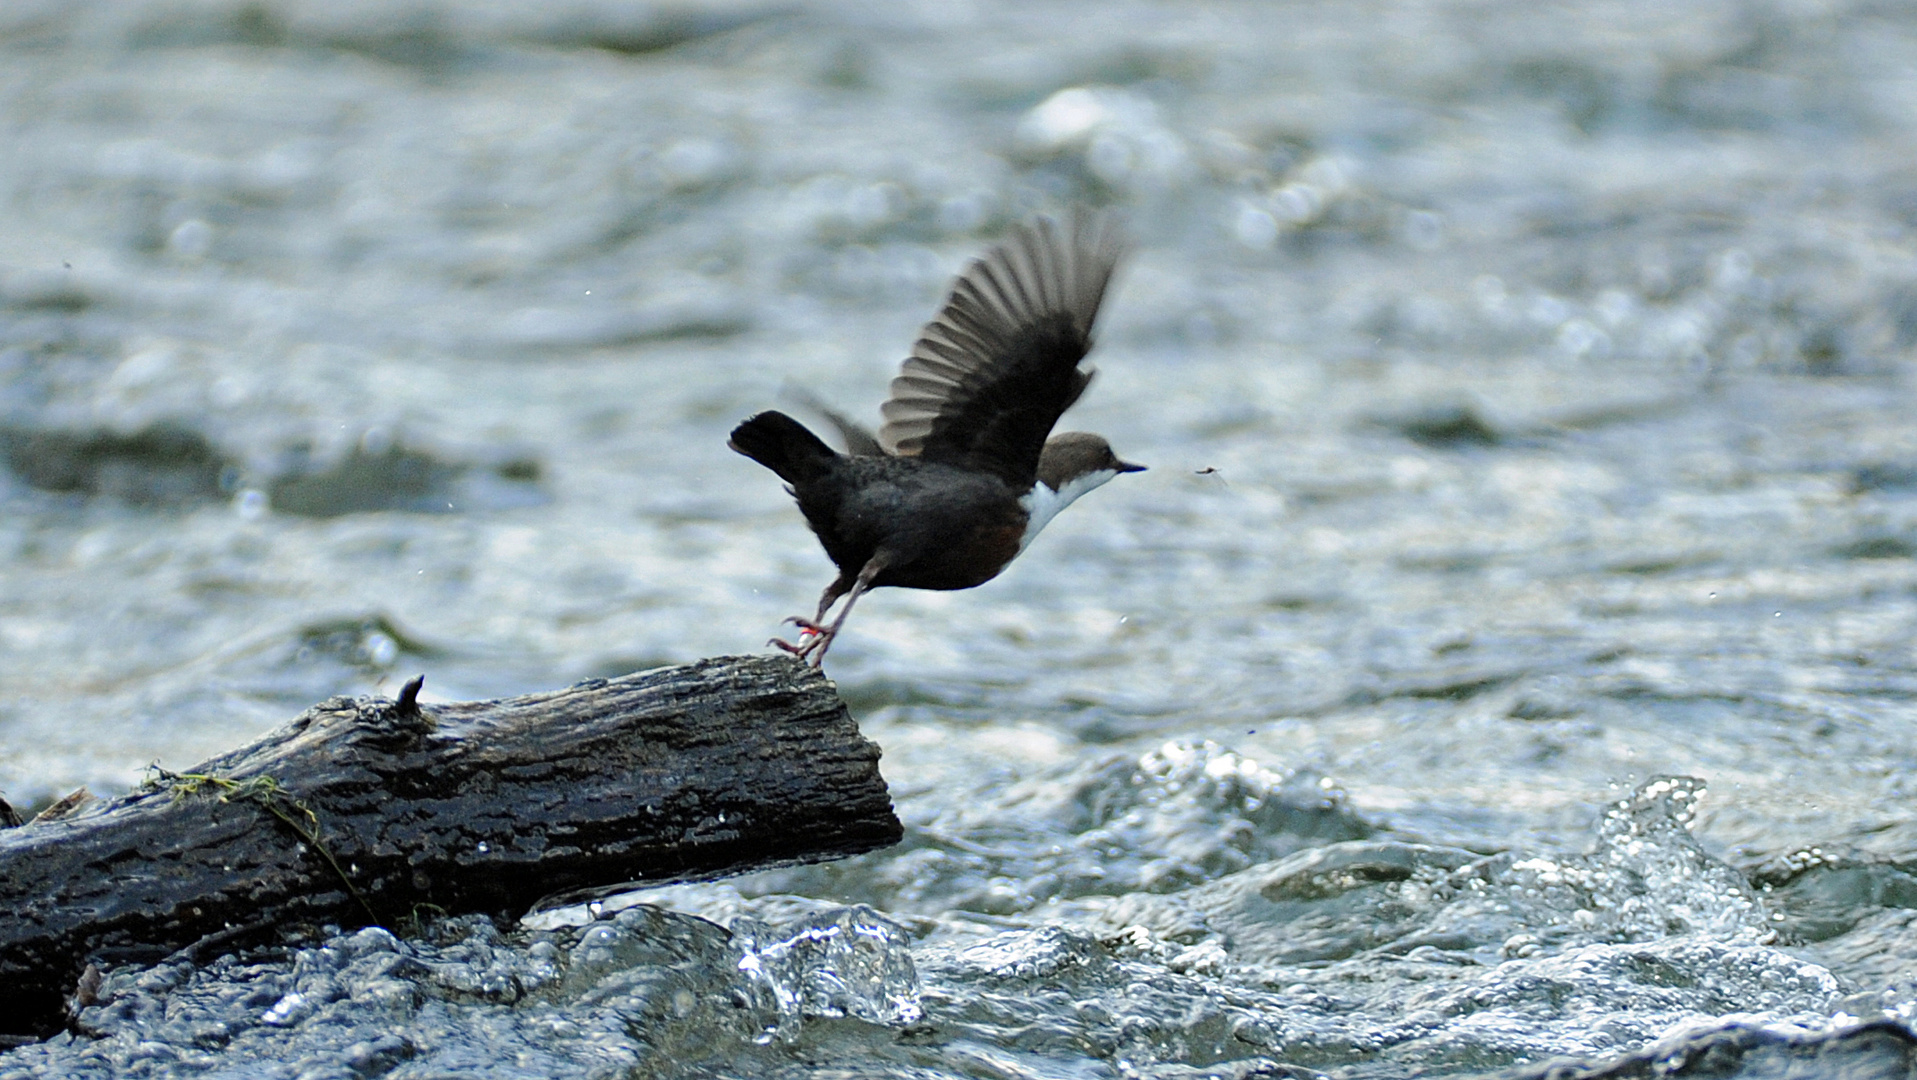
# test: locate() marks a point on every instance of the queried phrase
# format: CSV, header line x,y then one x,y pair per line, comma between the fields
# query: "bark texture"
x,y
725,766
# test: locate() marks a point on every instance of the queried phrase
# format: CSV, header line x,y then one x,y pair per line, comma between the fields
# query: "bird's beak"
x,y
1126,466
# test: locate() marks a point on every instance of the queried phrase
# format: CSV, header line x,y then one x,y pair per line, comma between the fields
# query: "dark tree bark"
x,y
720,767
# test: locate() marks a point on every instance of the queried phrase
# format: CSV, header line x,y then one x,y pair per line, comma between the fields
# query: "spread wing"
x,y
993,372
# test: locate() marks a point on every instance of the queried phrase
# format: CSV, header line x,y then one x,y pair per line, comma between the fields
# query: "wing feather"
x,y
991,373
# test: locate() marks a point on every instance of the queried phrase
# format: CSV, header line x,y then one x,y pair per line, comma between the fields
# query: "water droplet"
x,y
381,649
191,238
1255,228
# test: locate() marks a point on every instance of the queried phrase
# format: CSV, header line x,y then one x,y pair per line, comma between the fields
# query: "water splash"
x,y
852,962
1647,879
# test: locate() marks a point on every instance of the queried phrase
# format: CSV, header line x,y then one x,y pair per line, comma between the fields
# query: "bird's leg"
x,y
872,567
810,629
820,638
830,596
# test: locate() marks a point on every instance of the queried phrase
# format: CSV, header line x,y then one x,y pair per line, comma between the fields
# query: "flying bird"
x,y
964,472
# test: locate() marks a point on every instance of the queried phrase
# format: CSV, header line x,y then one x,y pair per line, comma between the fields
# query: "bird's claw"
x,y
812,641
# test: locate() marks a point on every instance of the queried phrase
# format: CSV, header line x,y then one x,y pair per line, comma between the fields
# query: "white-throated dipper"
x,y
962,474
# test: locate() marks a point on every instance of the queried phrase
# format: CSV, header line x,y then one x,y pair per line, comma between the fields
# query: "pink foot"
x,y
813,639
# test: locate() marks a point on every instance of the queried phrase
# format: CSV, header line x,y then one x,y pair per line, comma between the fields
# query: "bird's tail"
x,y
783,445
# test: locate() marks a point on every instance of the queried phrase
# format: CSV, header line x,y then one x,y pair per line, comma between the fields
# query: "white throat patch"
x,y
1043,504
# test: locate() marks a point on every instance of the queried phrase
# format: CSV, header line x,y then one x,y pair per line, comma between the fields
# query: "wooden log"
x,y
367,810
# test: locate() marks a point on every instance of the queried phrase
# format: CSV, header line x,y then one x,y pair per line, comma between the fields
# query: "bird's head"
x,y
1080,460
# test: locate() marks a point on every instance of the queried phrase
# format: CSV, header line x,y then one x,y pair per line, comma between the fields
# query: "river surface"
x,y
1507,658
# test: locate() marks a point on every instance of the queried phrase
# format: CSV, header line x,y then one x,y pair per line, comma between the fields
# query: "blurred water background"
x,y
1507,659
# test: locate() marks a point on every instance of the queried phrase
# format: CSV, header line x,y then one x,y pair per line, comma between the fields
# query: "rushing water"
x,y
1507,658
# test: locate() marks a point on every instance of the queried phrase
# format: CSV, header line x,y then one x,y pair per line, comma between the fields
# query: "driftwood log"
x,y
371,810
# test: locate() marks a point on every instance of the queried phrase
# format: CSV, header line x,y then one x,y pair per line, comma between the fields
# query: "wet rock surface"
x,y
373,477
161,465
